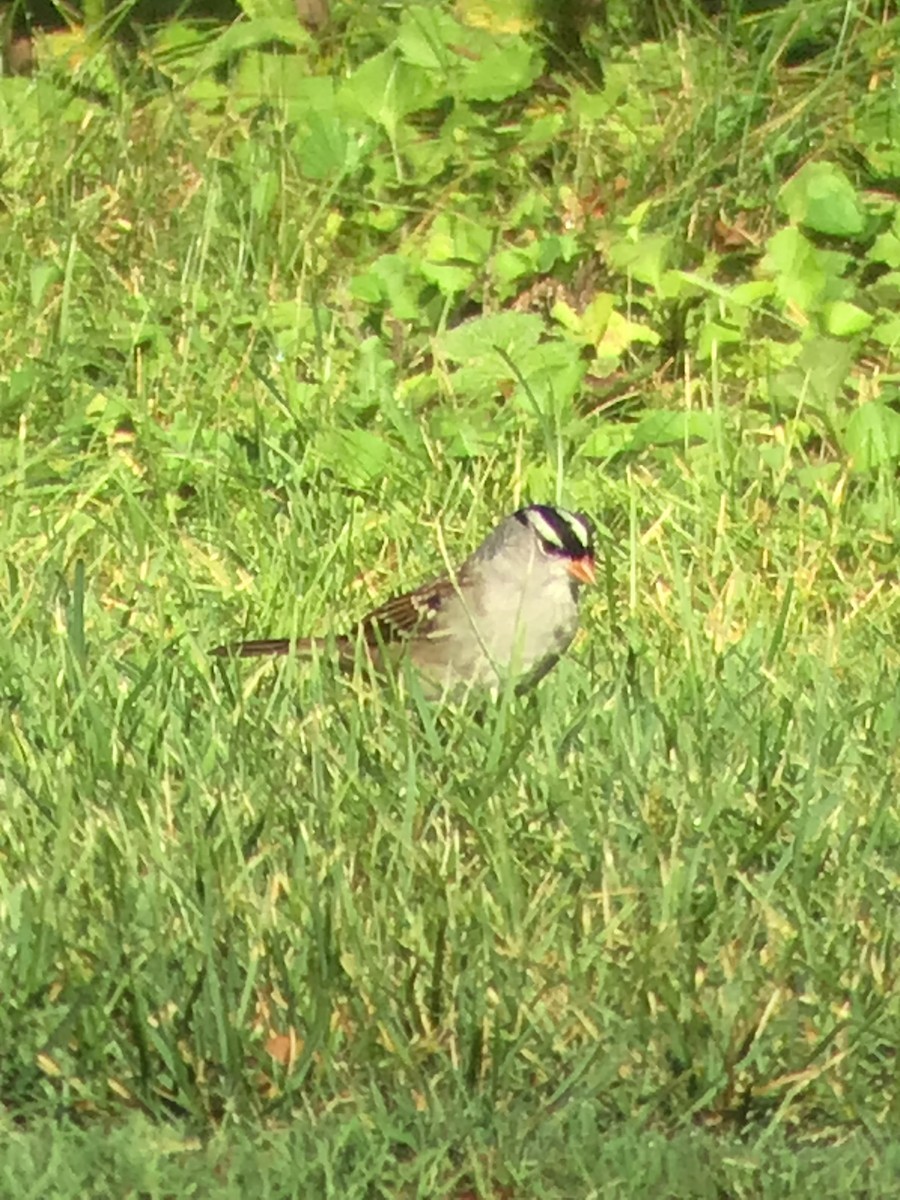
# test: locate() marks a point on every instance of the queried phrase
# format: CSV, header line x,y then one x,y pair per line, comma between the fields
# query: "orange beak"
x,y
582,569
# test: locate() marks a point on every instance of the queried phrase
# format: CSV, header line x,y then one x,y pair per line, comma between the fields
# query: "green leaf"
x,y
179,51
472,64
876,126
516,262
826,364
821,197
325,149
312,95
872,435
385,89
274,79
455,239
804,275
512,263
448,280
886,331
472,435
424,35
750,294
206,93
391,278
454,242
659,428
817,377
500,72
554,372
609,440
356,456
511,331
843,319
496,352
370,88
20,389
619,333
886,247
42,276
713,335
645,259
261,31
655,428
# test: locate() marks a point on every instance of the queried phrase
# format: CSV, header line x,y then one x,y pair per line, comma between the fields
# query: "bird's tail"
x,y
303,647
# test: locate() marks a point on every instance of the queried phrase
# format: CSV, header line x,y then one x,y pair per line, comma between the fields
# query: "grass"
x,y
632,935
343,1152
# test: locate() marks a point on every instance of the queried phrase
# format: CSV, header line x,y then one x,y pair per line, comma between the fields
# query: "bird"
x,y
507,613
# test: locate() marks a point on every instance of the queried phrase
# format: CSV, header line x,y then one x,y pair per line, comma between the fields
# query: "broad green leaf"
x,y
843,319
804,275
385,89
325,148
469,435
654,428
371,86
876,122
815,379
312,94
515,263
501,71
510,331
825,363
542,131
645,259
274,79
42,276
609,440
426,35
449,280
751,293
872,435
714,334
456,239
356,456
179,51
20,387
391,278
886,331
596,318
553,372
886,248
207,93
557,249
658,428
260,31
821,197
620,333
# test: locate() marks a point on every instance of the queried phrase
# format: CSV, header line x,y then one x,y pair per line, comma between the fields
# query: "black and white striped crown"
x,y
560,531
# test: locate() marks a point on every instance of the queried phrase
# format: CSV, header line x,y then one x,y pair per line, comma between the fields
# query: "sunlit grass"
x,y
568,938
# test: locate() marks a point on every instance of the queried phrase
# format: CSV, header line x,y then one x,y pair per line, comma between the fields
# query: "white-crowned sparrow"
x,y
511,609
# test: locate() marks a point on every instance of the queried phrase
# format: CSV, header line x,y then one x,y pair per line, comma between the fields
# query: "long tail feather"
x,y
262,646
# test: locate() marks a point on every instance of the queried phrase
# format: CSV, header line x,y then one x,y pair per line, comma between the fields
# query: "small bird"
x,y
510,610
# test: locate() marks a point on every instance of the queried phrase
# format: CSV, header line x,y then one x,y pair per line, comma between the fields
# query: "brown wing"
x,y
404,616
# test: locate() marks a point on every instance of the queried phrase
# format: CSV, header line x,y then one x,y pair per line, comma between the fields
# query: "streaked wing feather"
x,y
404,616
